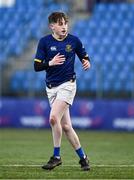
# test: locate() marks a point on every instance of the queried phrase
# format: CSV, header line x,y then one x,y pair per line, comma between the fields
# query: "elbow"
x,y
36,69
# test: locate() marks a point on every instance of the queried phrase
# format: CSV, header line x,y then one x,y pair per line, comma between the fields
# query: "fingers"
x,y
86,67
58,59
59,62
86,64
58,55
61,56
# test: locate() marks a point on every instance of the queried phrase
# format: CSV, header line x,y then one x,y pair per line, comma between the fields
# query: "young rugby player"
x,y
56,55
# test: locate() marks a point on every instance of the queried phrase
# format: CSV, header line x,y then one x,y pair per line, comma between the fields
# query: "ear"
x,y
51,26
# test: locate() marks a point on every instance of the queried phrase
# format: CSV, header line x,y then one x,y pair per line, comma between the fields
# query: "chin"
x,y
64,34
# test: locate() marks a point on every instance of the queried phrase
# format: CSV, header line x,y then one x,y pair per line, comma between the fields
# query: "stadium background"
x,y
106,30
103,110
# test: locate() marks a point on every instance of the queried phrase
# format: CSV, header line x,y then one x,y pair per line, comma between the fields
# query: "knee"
x,y
66,127
53,120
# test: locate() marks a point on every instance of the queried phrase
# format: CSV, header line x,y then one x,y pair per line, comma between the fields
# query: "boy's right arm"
x,y
40,66
39,61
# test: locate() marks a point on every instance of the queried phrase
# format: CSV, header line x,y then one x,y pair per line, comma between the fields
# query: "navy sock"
x,y
57,151
80,153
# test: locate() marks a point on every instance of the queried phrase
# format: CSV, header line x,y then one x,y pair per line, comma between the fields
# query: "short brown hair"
x,y
57,17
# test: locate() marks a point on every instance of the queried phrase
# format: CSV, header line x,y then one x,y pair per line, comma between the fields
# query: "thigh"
x,y
58,108
66,119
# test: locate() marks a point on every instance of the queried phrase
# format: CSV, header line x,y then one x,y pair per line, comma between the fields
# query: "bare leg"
x,y
57,111
60,119
69,131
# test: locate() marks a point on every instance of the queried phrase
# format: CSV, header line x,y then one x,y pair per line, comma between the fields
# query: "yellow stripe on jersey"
x,y
37,60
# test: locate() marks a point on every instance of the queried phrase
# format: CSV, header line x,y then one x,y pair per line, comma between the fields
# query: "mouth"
x,y
64,31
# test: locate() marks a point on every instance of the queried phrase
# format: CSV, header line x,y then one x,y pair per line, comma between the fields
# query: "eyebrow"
x,y
60,22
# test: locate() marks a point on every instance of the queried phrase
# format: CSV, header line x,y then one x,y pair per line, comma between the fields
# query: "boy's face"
x,y
60,28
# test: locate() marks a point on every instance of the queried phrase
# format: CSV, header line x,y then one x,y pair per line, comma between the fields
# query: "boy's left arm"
x,y
86,63
83,56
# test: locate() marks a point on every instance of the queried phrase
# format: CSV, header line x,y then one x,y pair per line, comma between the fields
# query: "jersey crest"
x,y
68,48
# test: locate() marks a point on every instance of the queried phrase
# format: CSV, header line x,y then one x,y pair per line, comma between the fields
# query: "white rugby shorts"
x,y
65,92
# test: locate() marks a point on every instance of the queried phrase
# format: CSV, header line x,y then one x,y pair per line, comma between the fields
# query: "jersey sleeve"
x,y
41,52
80,50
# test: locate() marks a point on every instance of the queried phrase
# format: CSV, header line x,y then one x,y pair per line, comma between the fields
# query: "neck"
x,y
59,38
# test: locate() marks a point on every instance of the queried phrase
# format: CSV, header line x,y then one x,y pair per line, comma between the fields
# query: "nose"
x,y
64,27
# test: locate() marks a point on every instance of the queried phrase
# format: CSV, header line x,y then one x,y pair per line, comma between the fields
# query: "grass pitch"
x,y
22,153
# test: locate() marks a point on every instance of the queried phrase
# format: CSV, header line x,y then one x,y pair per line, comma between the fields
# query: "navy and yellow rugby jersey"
x,y
48,47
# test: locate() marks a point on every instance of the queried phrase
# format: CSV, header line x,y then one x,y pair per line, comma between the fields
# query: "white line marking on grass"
x,y
93,165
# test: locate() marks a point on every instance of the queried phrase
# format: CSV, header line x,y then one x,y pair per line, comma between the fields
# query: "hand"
x,y
57,60
86,64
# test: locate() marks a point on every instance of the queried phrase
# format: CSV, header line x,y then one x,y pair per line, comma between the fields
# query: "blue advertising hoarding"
x,y
86,114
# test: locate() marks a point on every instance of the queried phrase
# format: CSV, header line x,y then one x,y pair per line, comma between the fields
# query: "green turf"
x,y
34,147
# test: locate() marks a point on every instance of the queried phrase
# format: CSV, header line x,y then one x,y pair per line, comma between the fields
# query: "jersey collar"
x,y
59,39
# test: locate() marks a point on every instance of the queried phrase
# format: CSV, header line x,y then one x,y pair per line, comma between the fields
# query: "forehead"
x,y
61,21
